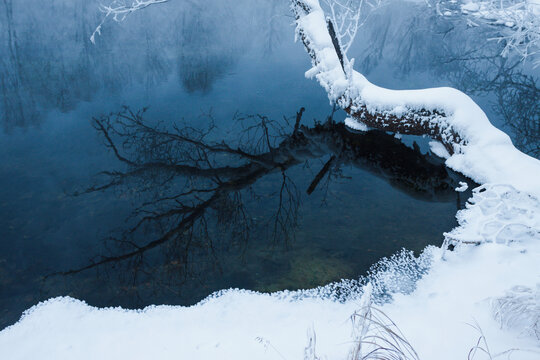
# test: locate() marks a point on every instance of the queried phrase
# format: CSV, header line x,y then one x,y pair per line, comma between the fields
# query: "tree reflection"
x,y
48,61
206,52
14,104
200,197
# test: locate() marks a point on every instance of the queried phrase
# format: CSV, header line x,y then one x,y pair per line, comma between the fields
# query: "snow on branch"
x,y
119,10
473,145
497,213
523,37
348,16
518,20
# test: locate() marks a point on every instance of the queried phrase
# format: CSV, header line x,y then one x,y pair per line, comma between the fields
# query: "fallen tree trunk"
x,y
342,83
461,130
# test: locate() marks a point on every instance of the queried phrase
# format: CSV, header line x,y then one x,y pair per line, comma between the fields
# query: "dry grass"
x,y
375,336
519,310
482,348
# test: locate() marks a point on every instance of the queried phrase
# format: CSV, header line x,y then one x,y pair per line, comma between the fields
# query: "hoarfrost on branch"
x,y
348,16
119,10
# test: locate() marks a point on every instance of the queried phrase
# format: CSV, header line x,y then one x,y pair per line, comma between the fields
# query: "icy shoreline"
x,y
457,292
458,289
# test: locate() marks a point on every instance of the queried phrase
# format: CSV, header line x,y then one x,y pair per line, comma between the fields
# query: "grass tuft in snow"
x,y
481,348
375,336
379,338
519,309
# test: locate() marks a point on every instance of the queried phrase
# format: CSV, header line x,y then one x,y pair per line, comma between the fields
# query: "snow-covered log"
x,y
463,133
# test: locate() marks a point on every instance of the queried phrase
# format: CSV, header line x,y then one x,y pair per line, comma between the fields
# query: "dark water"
x,y
212,186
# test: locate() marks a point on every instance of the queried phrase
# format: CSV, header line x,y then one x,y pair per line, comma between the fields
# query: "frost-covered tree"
x,y
520,18
347,16
119,10
517,22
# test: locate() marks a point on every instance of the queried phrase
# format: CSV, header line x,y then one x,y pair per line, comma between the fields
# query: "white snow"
x,y
438,149
470,6
462,186
476,294
520,17
221,328
459,291
355,124
498,213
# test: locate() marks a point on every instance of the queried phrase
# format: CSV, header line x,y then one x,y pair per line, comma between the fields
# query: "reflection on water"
x,y
211,213
48,61
206,52
250,220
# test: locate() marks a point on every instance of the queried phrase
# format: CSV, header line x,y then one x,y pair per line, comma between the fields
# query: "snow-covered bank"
x,y
238,324
443,302
459,292
226,328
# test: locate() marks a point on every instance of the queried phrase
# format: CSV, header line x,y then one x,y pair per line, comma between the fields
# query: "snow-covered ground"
x,y
484,295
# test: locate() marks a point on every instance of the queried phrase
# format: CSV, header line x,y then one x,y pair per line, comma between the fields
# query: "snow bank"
x,y
458,293
238,324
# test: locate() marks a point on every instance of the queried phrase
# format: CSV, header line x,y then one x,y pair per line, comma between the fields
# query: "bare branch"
x,y
119,10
